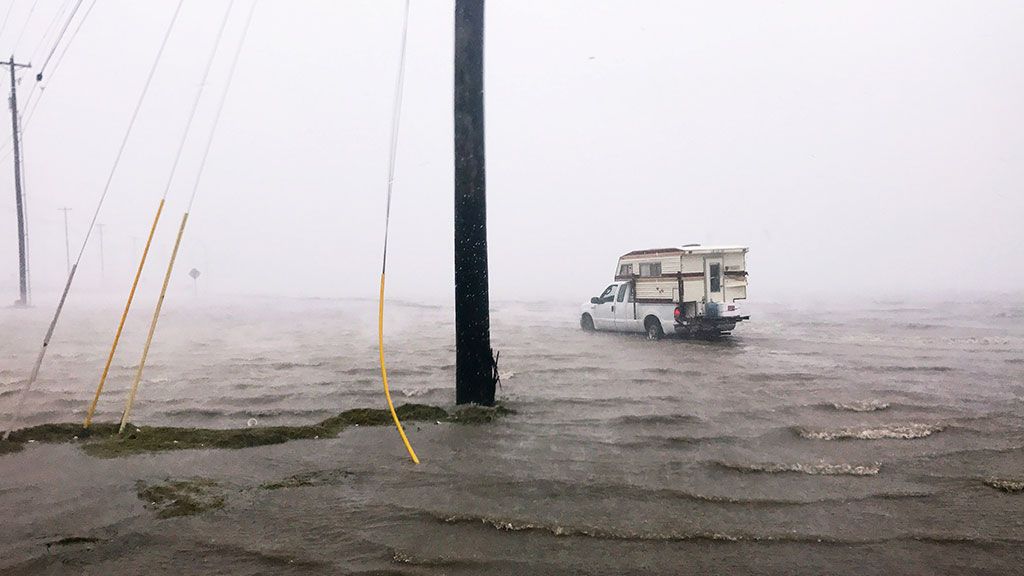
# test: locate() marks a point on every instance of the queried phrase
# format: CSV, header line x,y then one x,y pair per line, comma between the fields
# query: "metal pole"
x,y
474,359
19,201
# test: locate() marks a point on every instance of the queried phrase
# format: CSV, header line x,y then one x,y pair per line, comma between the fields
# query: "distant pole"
x,y
67,238
474,360
103,273
18,198
195,281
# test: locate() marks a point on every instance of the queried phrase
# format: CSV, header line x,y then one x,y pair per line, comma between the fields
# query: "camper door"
x,y
714,289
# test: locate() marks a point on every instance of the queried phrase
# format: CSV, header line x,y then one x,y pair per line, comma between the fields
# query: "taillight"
x,y
678,313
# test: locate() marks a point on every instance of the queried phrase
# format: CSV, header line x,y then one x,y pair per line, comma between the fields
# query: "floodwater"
x,y
814,441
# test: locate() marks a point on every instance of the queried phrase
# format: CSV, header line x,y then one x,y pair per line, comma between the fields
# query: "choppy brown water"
x,y
814,441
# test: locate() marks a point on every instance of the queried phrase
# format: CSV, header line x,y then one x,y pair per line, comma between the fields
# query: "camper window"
x,y
715,271
650,269
626,270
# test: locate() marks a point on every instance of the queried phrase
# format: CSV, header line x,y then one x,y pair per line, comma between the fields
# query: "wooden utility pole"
x,y
19,200
475,366
103,267
67,237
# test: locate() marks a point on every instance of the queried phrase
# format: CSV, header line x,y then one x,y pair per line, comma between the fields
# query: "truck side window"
x,y
622,292
609,294
716,277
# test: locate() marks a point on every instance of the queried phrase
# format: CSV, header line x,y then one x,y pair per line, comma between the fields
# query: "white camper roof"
x,y
686,249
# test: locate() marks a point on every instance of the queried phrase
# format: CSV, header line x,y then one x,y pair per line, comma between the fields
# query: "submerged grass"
x,y
1008,486
181,497
102,440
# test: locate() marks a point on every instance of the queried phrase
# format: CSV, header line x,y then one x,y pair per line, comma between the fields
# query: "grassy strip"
x,y
103,441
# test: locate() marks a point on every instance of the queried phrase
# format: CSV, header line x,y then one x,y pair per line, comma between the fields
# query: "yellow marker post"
x,y
124,316
384,373
152,327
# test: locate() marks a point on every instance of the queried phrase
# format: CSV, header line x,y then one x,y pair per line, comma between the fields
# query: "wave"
x,y
861,406
654,419
814,469
917,326
673,371
569,370
910,368
889,432
602,533
291,365
786,377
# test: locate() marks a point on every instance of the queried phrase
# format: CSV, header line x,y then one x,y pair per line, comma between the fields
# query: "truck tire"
x,y
653,328
587,323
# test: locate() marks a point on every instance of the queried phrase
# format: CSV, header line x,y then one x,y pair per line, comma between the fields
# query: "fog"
x,y
860,149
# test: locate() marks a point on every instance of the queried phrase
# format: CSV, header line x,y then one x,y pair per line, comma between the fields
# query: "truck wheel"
x,y
587,323
653,328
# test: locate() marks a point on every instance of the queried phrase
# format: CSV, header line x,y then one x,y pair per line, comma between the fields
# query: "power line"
x,y
220,105
49,27
156,219
396,116
16,414
31,107
25,25
39,75
184,220
7,16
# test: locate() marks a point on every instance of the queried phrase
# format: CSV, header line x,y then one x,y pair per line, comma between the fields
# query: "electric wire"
x,y
30,112
49,28
159,211
42,41
24,26
7,16
184,219
396,116
31,105
56,43
16,414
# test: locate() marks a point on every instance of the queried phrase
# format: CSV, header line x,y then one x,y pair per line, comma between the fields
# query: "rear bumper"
x,y
704,325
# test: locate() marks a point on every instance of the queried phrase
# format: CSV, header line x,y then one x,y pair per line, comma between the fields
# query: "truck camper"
x,y
692,290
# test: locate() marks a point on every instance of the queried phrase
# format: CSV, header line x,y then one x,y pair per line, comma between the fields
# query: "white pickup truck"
x,y
690,291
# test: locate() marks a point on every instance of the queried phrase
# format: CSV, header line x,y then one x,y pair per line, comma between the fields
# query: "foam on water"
x,y
885,432
812,468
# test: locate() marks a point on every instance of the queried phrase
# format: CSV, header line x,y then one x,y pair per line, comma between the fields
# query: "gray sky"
x,y
859,148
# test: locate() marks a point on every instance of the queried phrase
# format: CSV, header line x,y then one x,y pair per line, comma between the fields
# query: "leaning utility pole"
x,y
18,199
475,365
